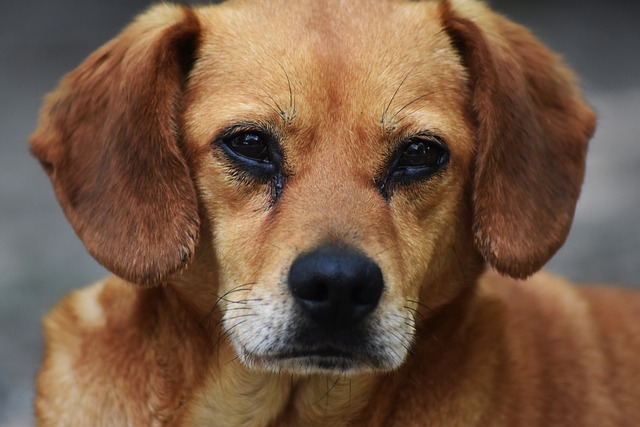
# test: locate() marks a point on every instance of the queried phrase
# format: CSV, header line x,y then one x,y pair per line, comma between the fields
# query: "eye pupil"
x,y
421,153
250,145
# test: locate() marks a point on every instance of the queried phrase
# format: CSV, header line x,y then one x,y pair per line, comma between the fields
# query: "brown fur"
x,y
202,252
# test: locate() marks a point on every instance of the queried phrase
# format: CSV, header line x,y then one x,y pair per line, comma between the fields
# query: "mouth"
x,y
294,344
318,360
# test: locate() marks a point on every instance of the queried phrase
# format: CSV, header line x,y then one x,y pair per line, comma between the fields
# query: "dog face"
x,y
349,167
335,175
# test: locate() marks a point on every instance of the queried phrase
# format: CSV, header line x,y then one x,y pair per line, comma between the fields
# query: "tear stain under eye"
x,y
278,186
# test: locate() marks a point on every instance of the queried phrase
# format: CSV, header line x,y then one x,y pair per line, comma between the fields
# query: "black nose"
x,y
336,286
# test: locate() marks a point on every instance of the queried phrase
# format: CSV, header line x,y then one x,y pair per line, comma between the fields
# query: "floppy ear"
x,y
108,138
532,132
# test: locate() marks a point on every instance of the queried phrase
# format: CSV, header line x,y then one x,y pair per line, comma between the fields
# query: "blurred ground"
x,y
41,259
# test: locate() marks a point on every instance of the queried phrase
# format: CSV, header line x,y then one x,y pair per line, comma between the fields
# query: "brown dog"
x,y
298,199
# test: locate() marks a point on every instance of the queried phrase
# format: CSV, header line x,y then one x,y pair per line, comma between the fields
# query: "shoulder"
x,y
72,376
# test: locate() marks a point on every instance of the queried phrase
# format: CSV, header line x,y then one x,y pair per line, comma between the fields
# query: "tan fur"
x,y
183,333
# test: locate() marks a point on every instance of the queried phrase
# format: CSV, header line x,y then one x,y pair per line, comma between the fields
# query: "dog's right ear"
x,y
109,139
532,132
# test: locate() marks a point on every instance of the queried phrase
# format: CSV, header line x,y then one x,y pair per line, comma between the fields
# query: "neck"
x,y
236,396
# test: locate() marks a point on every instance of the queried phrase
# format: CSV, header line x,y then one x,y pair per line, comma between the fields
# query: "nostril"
x,y
336,286
314,291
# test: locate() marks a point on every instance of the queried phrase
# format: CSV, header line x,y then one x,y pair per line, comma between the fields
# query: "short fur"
x,y
185,331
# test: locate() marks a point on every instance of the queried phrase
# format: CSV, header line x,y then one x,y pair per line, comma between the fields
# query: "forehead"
x,y
316,61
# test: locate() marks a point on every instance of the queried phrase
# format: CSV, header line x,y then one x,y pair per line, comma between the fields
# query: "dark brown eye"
x,y
422,153
251,150
250,145
419,158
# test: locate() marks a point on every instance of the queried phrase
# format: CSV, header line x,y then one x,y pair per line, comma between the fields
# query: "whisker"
x,y
274,246
240,288
420,304
240,316
396,353
245,287
403,340
232,318
232,360
408,319
275,110
208,316
291,97
215,307
241,301
410,323
226,332
325,396
237,308
386,110
279,110
418,99
415,311
382,251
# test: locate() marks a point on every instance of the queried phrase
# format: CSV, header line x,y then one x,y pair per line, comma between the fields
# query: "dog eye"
x,y
422,153
251,145
253,151
419,158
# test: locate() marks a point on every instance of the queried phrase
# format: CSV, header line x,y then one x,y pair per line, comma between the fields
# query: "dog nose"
x,y
336,286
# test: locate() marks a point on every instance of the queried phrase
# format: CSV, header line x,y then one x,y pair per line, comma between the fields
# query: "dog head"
x,y
338,172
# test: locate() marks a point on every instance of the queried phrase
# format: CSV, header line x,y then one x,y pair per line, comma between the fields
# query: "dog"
x,y
327,213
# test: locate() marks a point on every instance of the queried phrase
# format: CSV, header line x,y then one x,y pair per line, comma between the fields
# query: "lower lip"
x,y
323,364
326,360
323,354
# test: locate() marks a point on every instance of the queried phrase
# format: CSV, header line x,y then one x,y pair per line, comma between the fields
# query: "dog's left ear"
x,y
109,139
532,132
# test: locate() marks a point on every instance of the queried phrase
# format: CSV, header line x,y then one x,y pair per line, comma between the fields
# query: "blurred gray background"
x,y
41,259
